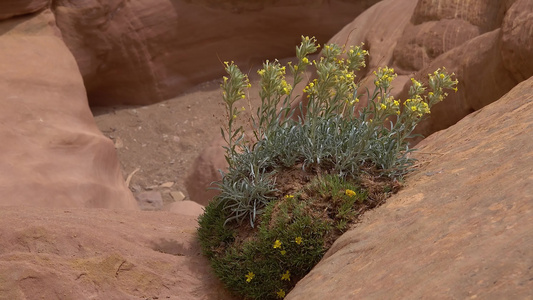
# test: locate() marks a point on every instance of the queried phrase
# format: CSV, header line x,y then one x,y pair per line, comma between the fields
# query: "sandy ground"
x,y
162,140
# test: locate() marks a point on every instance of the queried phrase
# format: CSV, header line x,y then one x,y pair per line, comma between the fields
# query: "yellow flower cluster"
x,y
416,106
350,193
311,88
356,57
249,276
389,105
281,293
286,276
384,77
286,87
273,81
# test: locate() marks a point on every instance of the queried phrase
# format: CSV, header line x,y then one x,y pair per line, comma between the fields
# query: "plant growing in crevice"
x,y
260,237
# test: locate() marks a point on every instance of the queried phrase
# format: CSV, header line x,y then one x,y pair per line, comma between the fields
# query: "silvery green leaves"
x,y
335,135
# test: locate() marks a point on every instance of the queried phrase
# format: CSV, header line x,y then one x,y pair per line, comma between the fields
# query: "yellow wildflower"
x,y
283,252
277,244
350,193
249,276
286,276
289,196
281,293
298,240
413,108
305,60
383,106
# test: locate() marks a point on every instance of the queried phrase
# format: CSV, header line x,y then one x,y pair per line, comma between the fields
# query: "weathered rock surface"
x,y
483,79
484,42
187,207
102,254
204,171
517,45
149,200
12,8
140,52
53,155
460,228
375,28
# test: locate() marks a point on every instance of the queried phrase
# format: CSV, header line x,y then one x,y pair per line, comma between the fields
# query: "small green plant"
x,y
260,236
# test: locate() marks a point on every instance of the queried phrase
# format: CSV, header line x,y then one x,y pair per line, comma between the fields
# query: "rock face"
x,y
483,42
206,170
53,155
12,8
140,52
461,227
517,49
102,254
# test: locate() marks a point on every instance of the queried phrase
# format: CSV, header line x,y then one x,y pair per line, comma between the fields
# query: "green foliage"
x,y
291,238
329,135
334,133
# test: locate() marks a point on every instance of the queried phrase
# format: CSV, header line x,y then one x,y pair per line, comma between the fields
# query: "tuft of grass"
x,y
262,234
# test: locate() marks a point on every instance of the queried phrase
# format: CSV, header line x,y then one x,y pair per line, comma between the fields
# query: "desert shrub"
x,y
260,237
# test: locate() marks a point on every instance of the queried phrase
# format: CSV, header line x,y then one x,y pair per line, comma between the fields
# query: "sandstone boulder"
x,y
53,155
517,45
102,254
204,171
140,52
460,228
187,207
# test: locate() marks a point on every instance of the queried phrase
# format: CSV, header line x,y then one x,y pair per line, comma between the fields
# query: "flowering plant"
x,y
328,137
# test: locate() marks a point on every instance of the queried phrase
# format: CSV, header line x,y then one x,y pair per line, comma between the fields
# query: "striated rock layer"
x,y
460,228
141,52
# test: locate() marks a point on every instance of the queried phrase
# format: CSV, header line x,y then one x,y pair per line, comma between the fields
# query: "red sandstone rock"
x,y
420,44
102,254
204,171
482,77
485,14
53,155
12,8
517,40
187,207
140,52
452,34
379,27
460,228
